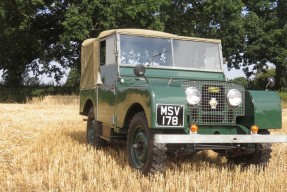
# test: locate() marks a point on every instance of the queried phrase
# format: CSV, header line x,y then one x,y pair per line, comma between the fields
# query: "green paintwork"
x,y
168,95
147,97
167,73
85,95
159,90
263,108
162,90
127,97
106,105
139,154
122,92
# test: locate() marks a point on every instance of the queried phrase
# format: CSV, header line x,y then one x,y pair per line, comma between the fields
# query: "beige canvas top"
x,y
89,64
151,33
90,51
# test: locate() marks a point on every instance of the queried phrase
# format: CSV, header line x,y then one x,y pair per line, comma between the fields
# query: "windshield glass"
x,y
169,52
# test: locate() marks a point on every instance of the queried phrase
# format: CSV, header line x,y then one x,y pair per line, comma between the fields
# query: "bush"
x,y
240,80
283,96
24,93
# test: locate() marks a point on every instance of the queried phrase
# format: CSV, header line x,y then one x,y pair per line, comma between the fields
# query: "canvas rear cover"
x,y
89,63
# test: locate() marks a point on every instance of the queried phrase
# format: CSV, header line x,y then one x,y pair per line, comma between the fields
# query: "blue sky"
x,y
233,73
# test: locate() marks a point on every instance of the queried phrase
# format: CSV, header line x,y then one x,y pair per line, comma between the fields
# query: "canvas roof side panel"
x,y
89,65
157,34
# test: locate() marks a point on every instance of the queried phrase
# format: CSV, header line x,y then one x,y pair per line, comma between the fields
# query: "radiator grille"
x,y
214,92
206,97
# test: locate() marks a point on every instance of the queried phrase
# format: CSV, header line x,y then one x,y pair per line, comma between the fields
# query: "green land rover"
x,y
167,95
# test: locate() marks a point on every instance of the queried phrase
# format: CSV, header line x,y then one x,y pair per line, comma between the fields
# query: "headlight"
x,y
193,96
234,97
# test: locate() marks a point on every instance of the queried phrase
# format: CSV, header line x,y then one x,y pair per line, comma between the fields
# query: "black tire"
x,y
261,156
94,130
143,154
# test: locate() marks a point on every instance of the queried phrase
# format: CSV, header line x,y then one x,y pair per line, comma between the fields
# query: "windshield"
x,y
169,52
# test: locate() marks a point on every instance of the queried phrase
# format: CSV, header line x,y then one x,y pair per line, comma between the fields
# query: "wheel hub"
x,y
140,148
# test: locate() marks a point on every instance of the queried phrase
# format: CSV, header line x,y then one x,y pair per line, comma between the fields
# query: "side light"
x,y
254,129
193,128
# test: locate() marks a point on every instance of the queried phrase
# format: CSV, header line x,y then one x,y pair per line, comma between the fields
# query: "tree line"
x,y
35,34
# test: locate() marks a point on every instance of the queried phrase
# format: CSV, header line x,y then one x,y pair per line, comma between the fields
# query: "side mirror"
x,y
270,82
139,70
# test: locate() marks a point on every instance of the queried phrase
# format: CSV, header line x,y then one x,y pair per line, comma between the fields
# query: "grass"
x,y
43,148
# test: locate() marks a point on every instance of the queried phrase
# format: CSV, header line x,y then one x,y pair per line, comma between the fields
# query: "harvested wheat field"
x,y
43,148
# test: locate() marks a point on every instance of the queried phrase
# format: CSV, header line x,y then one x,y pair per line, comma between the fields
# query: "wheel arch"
x,y
133,109
87,106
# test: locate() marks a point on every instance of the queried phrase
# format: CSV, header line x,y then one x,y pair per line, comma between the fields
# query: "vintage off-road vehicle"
x,y
167,94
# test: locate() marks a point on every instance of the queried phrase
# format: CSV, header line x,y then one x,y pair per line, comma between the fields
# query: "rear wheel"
x,y
94,130
143,153
261,156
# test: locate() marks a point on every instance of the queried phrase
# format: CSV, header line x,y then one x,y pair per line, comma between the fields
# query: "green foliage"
x,y
76,25
283,96
24,93
266,30
37,33
260,80
241,80
73,79
220,19
31,81
16,38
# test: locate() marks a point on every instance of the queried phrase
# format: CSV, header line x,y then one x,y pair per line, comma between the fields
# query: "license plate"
x,y
170,115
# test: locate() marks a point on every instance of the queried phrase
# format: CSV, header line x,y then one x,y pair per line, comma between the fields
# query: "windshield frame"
x,y
219,49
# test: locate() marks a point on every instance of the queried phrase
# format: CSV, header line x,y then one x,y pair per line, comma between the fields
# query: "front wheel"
x,y
143,153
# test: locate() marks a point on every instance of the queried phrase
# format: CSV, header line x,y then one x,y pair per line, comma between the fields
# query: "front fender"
x,y
127,97
263,108
147,97
168,96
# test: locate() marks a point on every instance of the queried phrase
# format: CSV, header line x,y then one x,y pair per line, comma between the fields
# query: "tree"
x,y
220,19
15,39
73,79
37,33
32,32
253,33
87,18
260,79
240,80
265,41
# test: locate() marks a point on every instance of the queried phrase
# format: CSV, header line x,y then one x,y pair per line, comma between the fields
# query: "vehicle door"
x,y
107,90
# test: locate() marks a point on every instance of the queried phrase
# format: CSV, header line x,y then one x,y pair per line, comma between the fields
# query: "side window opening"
x,y
107,51
102,53
108,67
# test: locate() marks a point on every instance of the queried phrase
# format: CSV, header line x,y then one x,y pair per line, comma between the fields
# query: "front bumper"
x,y
218,139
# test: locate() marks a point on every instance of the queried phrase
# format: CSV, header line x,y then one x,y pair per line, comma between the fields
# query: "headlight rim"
x,y
188,100
228,100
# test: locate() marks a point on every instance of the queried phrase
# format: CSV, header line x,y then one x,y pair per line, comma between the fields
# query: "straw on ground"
x,y
43,148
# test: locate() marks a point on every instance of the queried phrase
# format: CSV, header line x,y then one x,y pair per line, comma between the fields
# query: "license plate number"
x,y
170,115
